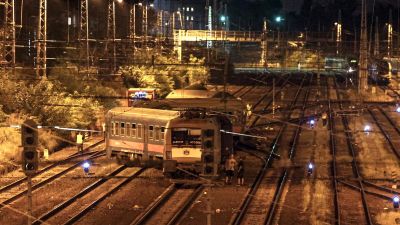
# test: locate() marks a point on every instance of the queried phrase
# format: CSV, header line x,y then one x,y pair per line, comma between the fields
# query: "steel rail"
x,y
155,205
332,145
349,140
238,217
69,201
385,133
281,184
48,180
83,212
73,156
270,102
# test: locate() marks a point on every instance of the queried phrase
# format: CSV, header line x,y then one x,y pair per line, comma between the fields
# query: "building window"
x,y
133,129
187,9
157,133
116,128
139,131
151,132
128,129
187,17
122,128
191,9
191,18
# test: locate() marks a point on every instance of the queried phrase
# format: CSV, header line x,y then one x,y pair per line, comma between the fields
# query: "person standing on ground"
x,y
240,172
230,165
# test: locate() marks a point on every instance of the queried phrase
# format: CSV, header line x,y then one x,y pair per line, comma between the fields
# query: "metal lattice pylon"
x,y
7,47
264,45
84,34
362,74
41,40
111,33
132,22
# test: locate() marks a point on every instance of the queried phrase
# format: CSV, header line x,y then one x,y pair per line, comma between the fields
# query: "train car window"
x,y
151,132
184,137
133,129
139,131
128,129
122,129
157,133
112,128
162,132
116,128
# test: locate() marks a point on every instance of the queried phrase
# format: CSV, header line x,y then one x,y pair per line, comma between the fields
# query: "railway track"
x,y
388,128
86,152
17,190
352,171
248,202
170,206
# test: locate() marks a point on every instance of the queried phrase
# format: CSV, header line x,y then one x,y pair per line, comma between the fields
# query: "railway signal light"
x,y
398,109
29,141
310,168
367,128
86,166
396,200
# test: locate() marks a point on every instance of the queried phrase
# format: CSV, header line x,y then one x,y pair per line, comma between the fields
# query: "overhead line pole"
x,y
7,47
363,60
41,56
84,34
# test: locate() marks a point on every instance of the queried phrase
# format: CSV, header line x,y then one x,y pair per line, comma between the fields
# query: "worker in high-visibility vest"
x,y
79,142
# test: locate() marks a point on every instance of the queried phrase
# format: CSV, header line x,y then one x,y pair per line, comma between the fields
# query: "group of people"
x,y
232,166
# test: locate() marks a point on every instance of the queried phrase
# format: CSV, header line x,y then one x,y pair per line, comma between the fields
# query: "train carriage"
x,y
189,141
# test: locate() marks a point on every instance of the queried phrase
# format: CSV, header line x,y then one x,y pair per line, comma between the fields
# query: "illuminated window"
x,y
139,130
187,9
133,129
191,18
151,132
191,9
122,129
157,133
128,129
116,128
187,17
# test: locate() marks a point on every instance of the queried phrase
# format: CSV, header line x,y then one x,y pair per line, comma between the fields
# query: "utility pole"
x,y
84,34
362,74
390,35
376,46
7,47
226,73
41,58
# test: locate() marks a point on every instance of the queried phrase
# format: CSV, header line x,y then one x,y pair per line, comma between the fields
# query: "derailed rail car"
x,y
182,142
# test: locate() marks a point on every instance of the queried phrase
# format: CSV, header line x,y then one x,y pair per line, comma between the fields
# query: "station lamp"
x,y
396,202
278,19
223,18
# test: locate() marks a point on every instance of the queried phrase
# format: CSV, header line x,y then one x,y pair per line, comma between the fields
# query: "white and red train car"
x,y
182,141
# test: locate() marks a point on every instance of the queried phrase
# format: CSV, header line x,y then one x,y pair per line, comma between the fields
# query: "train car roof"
x,y
143,113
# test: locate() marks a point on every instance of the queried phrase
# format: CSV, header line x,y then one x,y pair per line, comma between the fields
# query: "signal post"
x,y
30,157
